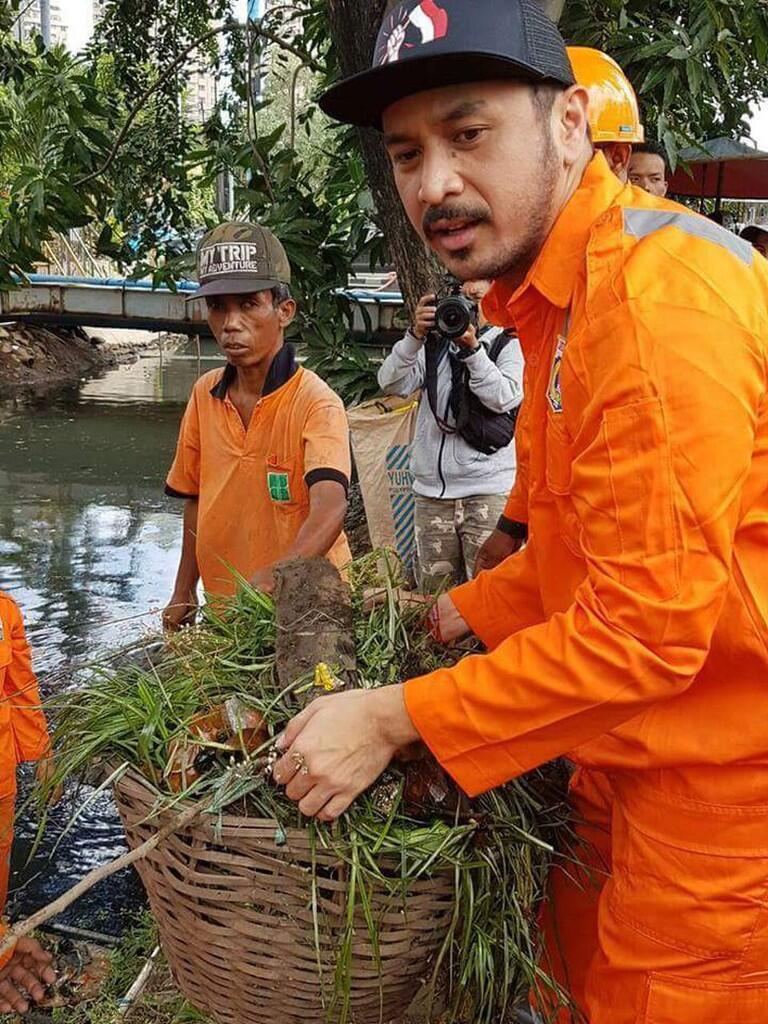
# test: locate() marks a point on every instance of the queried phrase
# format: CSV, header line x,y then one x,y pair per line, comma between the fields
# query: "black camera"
x,y
455,313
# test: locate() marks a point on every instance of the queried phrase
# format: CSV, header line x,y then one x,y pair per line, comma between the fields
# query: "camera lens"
x,y
453,317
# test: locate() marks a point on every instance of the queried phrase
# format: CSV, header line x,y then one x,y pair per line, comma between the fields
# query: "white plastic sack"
x,y
382,432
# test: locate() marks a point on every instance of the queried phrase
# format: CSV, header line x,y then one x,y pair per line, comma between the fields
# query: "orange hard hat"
x,y
614,113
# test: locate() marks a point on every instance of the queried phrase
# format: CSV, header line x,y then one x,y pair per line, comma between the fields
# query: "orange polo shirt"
x,y
632,631
253,485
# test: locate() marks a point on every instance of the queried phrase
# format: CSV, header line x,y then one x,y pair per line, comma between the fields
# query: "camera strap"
x,y
435,350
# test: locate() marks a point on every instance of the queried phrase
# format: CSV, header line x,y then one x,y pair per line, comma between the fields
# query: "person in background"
x,y
263,460
757,236
26,970
614,111
460,492
649,169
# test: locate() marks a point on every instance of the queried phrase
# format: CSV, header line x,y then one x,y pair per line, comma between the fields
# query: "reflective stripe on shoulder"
x,y
641,223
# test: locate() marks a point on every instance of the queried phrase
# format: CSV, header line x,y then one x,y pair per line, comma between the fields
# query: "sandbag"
x,y
382,431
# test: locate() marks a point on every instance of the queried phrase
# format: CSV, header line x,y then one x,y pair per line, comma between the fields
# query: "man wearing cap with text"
x,y
263,460
632,632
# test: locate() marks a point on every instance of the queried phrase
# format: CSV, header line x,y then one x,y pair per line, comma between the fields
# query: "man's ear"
x,y
618,155
286,312
572,123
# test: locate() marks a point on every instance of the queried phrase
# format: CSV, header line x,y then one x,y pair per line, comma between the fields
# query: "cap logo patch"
x,y
406,29
231,258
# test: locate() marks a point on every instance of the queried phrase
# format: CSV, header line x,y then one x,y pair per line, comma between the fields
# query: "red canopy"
x,y
722,169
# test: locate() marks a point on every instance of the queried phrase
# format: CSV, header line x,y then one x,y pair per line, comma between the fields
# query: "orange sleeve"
x,y
326,444
28,725
503,600
183,480
661,445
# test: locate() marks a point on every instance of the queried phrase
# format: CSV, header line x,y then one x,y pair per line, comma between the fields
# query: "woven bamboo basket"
x,y
238,921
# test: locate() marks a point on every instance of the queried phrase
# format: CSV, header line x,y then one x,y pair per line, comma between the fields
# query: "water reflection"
x,y
88,547
87,538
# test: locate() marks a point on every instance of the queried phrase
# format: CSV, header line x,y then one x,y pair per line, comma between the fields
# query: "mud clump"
x,y
315,625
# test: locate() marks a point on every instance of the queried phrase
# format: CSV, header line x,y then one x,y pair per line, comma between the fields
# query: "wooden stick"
x,y
137,988
23,928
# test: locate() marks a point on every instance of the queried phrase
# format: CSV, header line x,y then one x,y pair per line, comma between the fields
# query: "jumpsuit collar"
x,y
554,273
281,369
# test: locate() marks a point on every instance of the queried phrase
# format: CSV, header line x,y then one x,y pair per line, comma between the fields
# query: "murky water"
x,y
88,547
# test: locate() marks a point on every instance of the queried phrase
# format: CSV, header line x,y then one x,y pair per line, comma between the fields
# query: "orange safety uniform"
x,y
632,632
23,732
253,485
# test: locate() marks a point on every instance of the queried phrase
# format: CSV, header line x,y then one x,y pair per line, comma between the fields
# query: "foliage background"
x,y
101,139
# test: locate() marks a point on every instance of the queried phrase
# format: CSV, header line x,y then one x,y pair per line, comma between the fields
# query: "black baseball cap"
x,y
426,44
237,257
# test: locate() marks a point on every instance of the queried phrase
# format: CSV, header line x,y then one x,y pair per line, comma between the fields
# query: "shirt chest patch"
x,y
554,391
279,486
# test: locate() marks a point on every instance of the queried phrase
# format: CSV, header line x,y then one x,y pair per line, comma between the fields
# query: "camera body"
x,y
455,313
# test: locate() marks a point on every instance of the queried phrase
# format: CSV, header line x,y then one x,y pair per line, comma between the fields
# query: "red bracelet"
x,y
433,622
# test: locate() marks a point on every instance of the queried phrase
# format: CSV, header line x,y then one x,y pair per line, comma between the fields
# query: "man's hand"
x,y
25,977
264,580
424,319
181,611
469,340
498,547
338,746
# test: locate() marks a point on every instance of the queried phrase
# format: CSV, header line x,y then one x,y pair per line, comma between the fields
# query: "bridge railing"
x,y
74,255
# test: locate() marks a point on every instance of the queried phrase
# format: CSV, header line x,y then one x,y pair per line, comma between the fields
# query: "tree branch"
x,y
172,68
23,928
294,83
176,824
250,109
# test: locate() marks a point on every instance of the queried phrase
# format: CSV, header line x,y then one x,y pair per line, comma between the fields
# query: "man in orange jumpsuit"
x,y
25,971
570,914
632,632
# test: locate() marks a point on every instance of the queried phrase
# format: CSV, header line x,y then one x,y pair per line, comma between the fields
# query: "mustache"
x,y
438,213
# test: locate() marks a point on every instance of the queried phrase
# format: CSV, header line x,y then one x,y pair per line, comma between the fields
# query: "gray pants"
x,y
449,534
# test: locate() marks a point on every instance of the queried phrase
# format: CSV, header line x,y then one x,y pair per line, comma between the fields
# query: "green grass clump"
x,y
498,851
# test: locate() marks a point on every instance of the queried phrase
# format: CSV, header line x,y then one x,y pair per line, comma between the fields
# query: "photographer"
x,y
460,491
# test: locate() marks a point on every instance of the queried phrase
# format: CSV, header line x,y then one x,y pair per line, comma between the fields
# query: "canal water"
x,y
88,547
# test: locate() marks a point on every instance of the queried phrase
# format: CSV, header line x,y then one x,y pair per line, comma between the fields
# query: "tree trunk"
x,y
354,27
